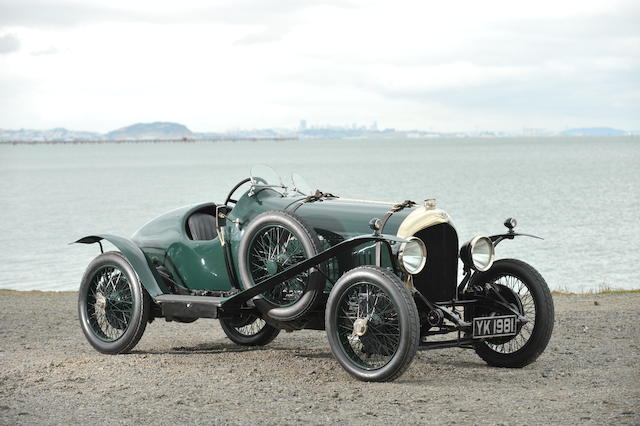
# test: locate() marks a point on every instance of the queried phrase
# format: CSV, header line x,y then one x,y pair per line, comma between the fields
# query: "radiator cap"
x,y
430,203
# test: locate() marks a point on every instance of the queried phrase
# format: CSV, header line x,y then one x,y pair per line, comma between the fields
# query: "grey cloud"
x,y
534,41
51,50
48,13
268,35
9,43
522,43
592,94
44,13
275,16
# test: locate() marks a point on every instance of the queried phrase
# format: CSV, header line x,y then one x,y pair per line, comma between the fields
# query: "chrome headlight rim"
x,y
466,253
402,253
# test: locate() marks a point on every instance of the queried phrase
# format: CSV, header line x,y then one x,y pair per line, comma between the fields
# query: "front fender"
x,y
496,239
147,275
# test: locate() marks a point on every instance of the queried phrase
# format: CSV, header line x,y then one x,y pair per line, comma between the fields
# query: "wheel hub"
x,y
360,327
272,267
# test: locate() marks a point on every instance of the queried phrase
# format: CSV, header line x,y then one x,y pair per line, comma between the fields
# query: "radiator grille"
x,y
438,281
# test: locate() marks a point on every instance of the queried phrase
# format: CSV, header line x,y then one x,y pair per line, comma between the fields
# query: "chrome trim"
x,y
430,203
401,250
472,244
220,229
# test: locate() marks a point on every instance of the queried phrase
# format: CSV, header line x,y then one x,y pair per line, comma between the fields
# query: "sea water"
x,y
581,194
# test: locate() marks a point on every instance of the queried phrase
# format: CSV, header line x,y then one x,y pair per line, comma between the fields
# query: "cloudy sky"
x,y
221,65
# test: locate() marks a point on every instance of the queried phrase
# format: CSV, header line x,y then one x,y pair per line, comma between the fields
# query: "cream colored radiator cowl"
x,y
422,217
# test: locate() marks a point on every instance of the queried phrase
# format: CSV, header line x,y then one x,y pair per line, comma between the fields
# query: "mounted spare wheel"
x,y
275,241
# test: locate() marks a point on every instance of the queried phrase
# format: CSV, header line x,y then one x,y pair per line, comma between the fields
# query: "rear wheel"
x,y
274,241
248,330
525,290
112,305
372,324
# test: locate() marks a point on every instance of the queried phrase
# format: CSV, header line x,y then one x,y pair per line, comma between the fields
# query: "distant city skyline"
x,y
97,65
157,131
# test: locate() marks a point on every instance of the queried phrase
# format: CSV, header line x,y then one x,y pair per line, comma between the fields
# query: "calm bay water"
x,y
581,194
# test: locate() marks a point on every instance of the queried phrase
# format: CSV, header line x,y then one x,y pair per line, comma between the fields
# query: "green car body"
x,y
362,270
198,264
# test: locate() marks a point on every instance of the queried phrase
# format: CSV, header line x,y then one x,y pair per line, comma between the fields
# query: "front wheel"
x,y
525,289
248,330
112,305
372,324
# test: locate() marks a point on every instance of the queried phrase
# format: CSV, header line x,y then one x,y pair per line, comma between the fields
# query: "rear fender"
x,y
147,274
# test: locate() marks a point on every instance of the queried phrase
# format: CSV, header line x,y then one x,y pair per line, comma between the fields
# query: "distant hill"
x,y
593,131
162,130
156,130
57,134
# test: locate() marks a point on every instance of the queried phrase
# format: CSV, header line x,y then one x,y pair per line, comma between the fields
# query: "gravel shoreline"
x,y
191,373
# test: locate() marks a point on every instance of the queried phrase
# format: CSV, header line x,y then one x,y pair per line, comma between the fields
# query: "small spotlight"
x,y
510,223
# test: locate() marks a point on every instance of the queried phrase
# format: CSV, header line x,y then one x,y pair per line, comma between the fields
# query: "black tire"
x,y
248,330
112,305
303,289
534,299
375,355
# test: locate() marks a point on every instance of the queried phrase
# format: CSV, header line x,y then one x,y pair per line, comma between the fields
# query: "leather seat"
x,y
202,226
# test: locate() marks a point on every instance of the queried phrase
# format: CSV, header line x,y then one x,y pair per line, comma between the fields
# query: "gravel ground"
x,y
190,373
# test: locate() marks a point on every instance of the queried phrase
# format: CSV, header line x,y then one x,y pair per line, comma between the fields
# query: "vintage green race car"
x,y
380,278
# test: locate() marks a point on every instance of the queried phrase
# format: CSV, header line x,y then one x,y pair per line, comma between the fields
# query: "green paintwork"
x,y
147,275
200,264
345,218
193,264
333,219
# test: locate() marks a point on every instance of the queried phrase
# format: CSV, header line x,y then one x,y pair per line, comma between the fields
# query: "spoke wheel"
x,y
109,303
112,305
368,325
248,330
275,241
274,249
516,292
524,289
372,324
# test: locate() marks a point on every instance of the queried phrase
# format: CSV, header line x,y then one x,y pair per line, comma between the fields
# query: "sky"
x,y
244,64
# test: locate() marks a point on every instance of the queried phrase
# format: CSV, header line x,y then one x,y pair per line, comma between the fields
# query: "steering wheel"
x,y
234,189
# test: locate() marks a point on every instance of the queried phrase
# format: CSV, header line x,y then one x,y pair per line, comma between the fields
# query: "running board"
x,y
188,307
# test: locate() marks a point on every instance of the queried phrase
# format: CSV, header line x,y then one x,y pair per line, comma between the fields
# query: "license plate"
x,y
494,326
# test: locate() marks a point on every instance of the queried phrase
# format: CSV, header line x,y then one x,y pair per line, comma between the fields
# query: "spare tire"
x,y
274,241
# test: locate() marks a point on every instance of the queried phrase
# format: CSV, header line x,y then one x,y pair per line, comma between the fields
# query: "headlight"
x,y
478,253
412,255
